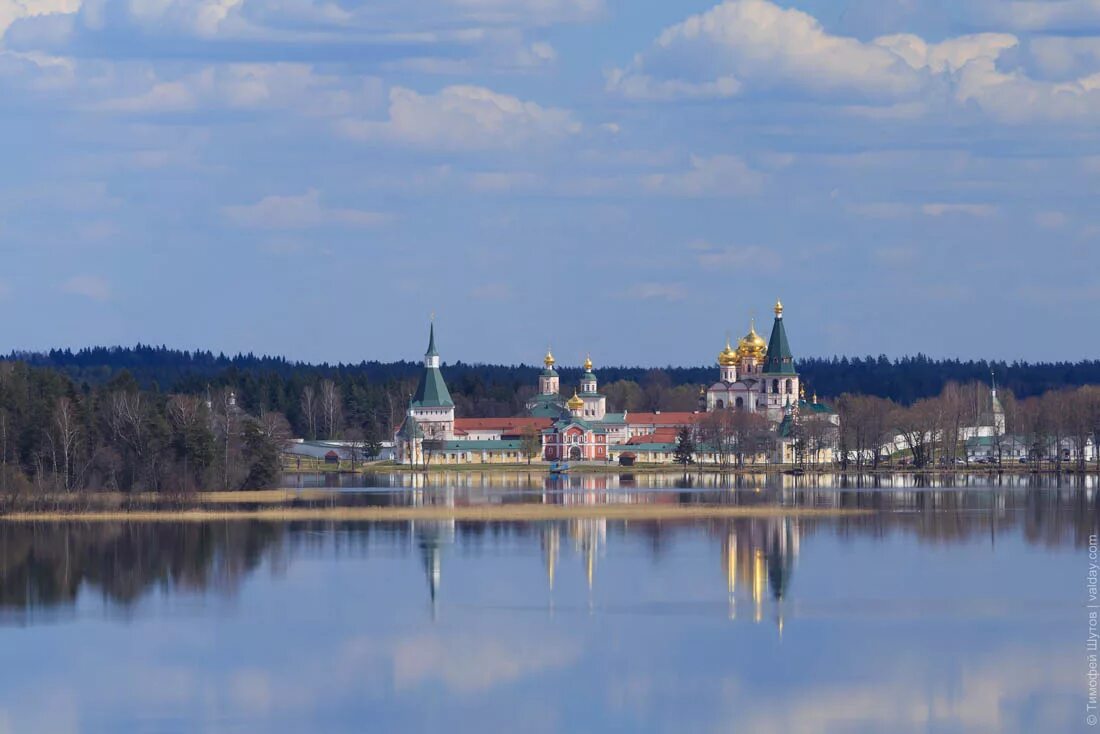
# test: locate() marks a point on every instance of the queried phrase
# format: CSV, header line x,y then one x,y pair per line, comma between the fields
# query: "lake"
x,y
949,605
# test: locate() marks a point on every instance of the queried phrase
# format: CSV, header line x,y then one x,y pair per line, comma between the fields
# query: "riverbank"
x,y
543,468
285,506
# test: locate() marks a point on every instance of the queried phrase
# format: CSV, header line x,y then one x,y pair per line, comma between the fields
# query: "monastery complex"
x,y
757,383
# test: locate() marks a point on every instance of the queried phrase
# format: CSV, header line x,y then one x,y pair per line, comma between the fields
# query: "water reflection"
x,y
46,565
940,610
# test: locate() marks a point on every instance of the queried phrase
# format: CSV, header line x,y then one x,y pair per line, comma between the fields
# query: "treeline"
x,y
902,380
368,400
1055,428
58,436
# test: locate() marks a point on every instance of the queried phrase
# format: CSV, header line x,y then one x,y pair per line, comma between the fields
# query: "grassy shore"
x,y
276,512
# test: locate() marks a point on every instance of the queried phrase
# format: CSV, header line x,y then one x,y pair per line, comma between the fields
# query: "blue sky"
x,y
628,178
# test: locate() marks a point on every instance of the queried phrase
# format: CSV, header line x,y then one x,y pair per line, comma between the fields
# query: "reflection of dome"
x,y
575,402
548,360
588,364
727,357
752,345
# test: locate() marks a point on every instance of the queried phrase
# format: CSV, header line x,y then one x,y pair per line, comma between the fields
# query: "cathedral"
x,y
756,376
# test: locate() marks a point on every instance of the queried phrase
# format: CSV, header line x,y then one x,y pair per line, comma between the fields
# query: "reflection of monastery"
x,y
756,378
758,558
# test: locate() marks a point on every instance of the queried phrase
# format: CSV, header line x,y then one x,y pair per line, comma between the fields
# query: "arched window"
x,y
719,404
789,386
740,403
775,386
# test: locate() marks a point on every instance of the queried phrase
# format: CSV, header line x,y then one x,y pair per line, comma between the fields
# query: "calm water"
x,y
944,610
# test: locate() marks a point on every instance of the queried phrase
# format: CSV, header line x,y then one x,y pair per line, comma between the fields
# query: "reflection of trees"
x,y
46,564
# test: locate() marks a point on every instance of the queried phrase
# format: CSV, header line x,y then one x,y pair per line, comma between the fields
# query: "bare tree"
x,y
65,438
331,409
310,410
531,443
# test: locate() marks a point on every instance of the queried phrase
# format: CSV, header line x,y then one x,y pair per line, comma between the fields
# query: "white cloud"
x,y
753,256
529,11
249,87
13,10
971,210
1035,15
464,117
1051,219
718,176
299,212
88,286
757,43
656,292
746,46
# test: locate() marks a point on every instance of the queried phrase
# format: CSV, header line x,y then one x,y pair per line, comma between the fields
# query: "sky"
x,y
628,178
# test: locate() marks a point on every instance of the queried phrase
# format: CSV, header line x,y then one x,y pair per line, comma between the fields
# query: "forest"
x,y
144,417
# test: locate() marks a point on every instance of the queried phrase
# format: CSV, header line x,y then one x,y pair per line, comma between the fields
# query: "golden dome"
x,y
548,360
588,364
752,344
575,402
778,307
727,357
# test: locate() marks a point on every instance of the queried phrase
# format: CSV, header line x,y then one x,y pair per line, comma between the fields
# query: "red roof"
x,y
663,419
664,435
516,424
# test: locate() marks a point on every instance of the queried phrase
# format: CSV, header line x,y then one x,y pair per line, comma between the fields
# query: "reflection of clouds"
x,y
473,664
250,691
59,717
988,696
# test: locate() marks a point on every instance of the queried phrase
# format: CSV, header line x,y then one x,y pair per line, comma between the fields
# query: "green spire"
x,y
432,391
431,342
779,360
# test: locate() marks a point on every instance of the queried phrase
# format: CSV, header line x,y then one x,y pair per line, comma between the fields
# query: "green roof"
x,y
779,360
567,421
431,343
623,447
545,406
589,394
617,419
432,391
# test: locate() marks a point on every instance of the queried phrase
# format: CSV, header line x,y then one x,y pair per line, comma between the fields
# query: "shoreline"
x,y
387,468
464,513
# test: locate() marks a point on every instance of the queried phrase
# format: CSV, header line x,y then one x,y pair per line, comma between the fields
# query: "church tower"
x,y
780,380
727,364
548,380
595,405
432,408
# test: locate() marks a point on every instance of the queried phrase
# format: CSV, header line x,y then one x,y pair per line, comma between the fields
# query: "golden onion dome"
x,y
588,364
575,402
752,344
727,357
548,360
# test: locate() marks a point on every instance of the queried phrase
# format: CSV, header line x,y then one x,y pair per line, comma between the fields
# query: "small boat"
x,y
559,467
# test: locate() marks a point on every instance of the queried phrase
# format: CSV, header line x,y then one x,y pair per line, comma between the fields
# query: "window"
x,y
718,404
740,403
775,386
789,386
